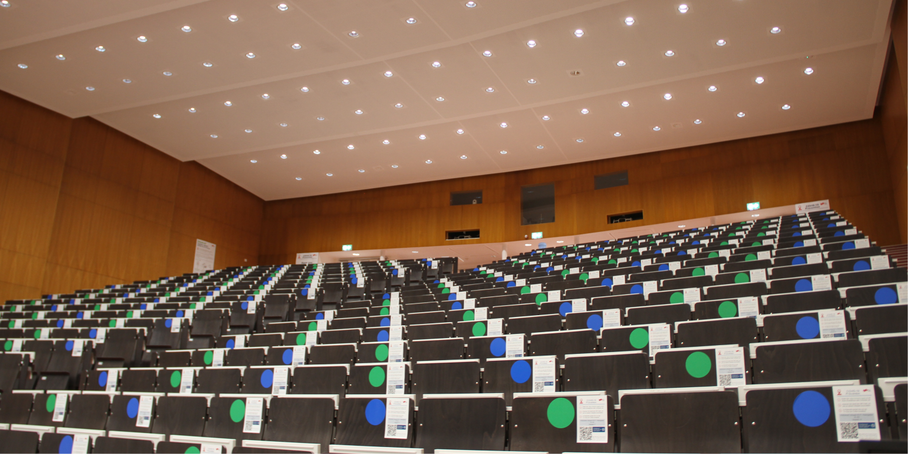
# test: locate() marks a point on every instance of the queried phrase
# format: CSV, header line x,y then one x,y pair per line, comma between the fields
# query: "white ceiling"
x,y
846,42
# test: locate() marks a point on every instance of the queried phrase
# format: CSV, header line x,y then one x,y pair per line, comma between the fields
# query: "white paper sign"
x,y
757,275
553,295
520,282
101,335
397,410
711,270
618,280
210,448
536,288
395,320
748,306
112,376
252,421
816,257
396,378
494,327
832,324
611,317
204,256
902,292
764,255
279,383
592,419
80,444
143,417
578,305
593,274
514,346
469,303
480,313
395,351
730,367
395,333
77,347
855,413
650,287
660,338
186,378
862,243
299,354
821,282
691,295
879,262
544,374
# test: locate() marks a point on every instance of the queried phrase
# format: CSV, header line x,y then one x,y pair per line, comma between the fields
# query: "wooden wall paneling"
x,y
894,125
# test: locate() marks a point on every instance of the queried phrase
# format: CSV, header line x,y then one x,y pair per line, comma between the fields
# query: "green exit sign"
x,y
536,235
347,247
753,206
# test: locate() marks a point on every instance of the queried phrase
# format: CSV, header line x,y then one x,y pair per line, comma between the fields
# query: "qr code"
x,y
849,430
390,430
586,433
538,387
724,380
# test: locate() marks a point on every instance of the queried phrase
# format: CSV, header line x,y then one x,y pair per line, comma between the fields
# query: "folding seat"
x,y
890,318
736,267
16,407
785,272
277,307
367,421
177,380
320,379
496,300
679,420
218,380
180,415
280,327
12,366
735,290
735,331
266,380
461,421
549,422
873,295
871,277
332,354
372,352
534,323
799,417
900,401
138,380
822,324
379,378
802,301
455,376
632,338
801,284
484,347
663,313
587,293
121,348
607,372
13,441
419,318
513,310
60,442
510,375
887,355
63,370
301,419
807,360
724,365
861,263
680,283
350,312
207,326
46,408
283,356
436,349
88,411
617,302
124,412
341,336
559,343
300,337
347,323
428,331
164,337
250,356
116,445
266,340
229,417
735,307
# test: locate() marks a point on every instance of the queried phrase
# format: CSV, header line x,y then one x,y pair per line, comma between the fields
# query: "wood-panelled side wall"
x,y
845,163
893,117
84,206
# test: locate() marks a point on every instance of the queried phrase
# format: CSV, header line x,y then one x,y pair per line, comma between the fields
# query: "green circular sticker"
x,y
381,352
208,358
112,323
541,298
34,315
128,314
698,272
441,286
468,316
560,413
51,403
192,450
11,324
756,243
741,278
612,262
584,277
761,234
386,302
8,345
524,290
97,307
565,273
175,379
698,364
713,255
728,309
750,257
639,338
237,410
301,339
677,297
37,334
479,329
384,311
313,326
376,376
595,260
446,291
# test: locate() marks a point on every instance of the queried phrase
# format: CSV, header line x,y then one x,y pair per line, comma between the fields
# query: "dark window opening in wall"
x,y
537,204
462,235
466,198
611,180
625,217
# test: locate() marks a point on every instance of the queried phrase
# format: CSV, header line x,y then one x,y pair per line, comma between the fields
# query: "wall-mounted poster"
x,y
204,256
307,258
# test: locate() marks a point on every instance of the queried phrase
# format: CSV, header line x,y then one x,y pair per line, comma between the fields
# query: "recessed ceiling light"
x,y
330,174
463,156
5,3
100,49
266,96
283,7
299,178
422,137
546,118
578,33
625,104
214,136
320,118
629,20
250,55
316,152
440,98
697,121
283,156
411,20
233,18
350,147
90,88
248,131
579,140
192,110
712,88
207,64
386,142
60,57
528,244
253,161
459,131
436,64
388,74
786,107
353,34
127,81
682,8
358,111
296,46
345,82
503,152
167,73
741,114
398,106
304,89
186,28
669,53
283,125
759,80
361,170
394,166
503,125
656,128
584,111
531,43
228,103
617,134
490,90
559,241
540,147
470,4
487,53
775,30
667,96
156,115
621,63
142,39
428,161
531,81
721,42
808,71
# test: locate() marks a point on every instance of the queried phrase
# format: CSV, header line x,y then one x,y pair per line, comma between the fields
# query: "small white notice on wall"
x,y
307,258
204,256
